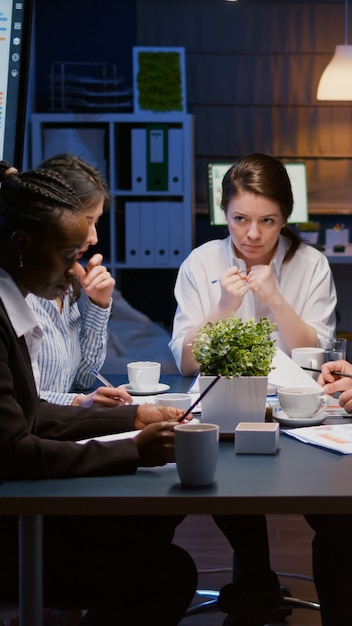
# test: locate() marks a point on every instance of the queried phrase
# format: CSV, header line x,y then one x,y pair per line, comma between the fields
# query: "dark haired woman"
x,y
75,337
261,269
124,569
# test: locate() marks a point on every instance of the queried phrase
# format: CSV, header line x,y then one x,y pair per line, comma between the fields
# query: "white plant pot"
x,y
309,236
234,400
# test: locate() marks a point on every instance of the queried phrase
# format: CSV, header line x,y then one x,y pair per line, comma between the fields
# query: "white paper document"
x,y
286,373
336,437
114,437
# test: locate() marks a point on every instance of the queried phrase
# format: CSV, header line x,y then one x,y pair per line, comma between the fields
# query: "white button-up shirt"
x,y
22,319
306,283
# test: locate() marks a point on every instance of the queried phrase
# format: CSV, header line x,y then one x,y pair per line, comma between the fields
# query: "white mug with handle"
x,y
309,359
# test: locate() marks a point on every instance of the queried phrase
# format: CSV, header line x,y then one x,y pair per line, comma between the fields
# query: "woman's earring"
x,y
20,261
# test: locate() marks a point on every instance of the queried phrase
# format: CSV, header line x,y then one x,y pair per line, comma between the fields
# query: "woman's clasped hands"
x,y
235,283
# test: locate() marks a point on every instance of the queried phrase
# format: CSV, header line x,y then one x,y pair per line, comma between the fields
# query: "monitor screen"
x,y
298,179
15,27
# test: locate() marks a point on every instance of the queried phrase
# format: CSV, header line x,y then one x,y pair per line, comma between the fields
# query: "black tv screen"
x,y
15,32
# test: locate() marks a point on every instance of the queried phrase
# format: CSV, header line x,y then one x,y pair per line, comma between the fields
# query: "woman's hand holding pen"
x,y
234,287
106,396
333,383
151,413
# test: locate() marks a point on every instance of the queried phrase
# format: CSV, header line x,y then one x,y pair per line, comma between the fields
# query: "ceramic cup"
x,y
196,453
143,376
178,400
309,357
302,402
334,349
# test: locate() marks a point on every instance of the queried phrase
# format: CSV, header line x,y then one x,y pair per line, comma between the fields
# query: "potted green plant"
x,y
242,354
309,231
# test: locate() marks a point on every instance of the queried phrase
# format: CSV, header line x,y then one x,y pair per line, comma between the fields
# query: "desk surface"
x,y
339,257
299,478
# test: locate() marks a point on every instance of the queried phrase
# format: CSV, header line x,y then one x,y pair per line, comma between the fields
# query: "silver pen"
x,y
102,379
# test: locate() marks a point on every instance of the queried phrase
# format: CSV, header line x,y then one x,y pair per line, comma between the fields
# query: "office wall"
x,y
253,68
82,31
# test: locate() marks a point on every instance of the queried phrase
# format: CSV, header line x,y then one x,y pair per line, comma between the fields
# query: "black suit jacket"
x,y
37,439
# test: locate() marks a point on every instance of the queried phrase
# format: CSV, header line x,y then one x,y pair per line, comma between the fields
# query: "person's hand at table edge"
x,y
155,444
338,382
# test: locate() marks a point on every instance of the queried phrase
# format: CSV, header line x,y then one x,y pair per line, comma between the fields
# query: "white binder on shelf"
x,y
147,238
175,174
139,160
162,234
132,234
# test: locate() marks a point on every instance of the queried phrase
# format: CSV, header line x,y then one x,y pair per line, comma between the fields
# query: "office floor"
x,y
290,545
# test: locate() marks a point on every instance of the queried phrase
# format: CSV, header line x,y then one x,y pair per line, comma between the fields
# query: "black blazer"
x,y
37,439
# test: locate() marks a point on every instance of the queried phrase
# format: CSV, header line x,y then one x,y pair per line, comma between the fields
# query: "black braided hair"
x,y
33,200
85,179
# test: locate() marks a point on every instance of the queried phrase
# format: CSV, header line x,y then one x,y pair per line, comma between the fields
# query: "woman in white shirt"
x,y
75,338
261,269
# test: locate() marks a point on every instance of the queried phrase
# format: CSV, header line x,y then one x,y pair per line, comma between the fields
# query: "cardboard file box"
x,y
256,438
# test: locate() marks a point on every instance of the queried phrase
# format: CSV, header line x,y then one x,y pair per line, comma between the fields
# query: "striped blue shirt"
x,y
73,344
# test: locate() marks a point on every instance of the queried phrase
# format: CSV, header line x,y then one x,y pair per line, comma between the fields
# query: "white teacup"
x,y
178,400
196,453
144,376
302,402
311,358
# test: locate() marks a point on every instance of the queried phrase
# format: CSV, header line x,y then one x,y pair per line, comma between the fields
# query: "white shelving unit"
x,y
148,162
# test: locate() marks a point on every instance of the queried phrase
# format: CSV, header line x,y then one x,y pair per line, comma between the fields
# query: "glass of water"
x,y
334,349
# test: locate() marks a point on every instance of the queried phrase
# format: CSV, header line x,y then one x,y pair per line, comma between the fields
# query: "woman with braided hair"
x,y
108,564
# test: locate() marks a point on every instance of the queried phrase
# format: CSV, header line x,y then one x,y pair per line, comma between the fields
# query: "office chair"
x,y
209,598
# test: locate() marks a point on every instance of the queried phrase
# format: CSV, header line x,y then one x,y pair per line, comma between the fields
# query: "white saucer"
x,y
284,420
135,392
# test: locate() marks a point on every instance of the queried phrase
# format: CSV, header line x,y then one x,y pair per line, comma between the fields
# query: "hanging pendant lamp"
x,y
336,80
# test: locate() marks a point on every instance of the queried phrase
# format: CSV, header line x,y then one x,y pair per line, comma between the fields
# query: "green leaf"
x,y
235,348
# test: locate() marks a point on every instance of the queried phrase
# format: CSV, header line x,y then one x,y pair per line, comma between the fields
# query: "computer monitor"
x,y
15,31
298,179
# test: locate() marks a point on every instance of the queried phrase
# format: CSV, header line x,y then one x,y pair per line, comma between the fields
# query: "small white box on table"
x,y
256,438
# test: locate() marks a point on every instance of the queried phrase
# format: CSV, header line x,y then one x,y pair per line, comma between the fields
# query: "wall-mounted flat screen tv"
x,y
15,31
298,179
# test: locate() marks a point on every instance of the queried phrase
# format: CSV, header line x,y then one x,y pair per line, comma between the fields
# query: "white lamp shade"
x,y
336,80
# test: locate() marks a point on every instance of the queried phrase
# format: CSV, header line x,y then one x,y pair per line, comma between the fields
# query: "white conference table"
x,y
298,479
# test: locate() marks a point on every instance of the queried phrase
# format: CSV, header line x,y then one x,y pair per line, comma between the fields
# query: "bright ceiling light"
x,y
336,80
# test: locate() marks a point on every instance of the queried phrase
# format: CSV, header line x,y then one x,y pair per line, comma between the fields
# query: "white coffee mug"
x,y
302,402
310,358
178,400
196,453
143,376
